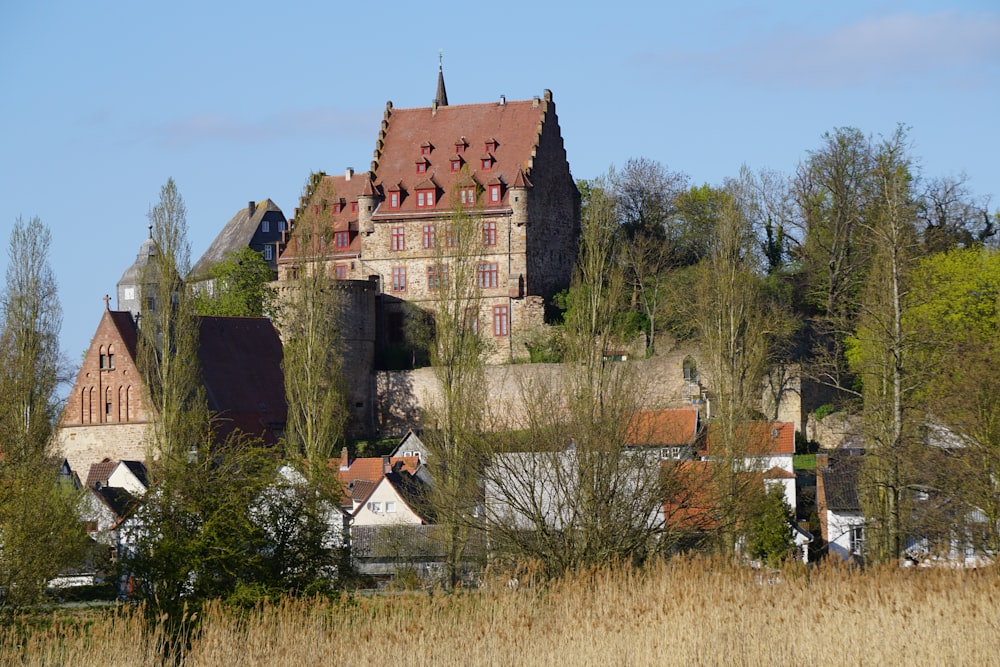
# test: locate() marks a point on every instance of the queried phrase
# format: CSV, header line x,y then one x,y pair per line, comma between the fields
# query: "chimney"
x,y
386,465
503,100
348,173
252,207
344,462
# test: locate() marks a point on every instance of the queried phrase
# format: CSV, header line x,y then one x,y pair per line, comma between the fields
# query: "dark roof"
x,y
840,483
241,368
137,468
237,233
120,501
122,319
134,273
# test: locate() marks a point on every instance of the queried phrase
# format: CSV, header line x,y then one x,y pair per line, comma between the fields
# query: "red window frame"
x,y
487,274
437,276
341,239
468,195
429,236
338,207
421,167
399,279
487,163
340,271
489,232
501,321
397,236
394,198
425,198
494,194
459,148
456,165
425,150
491,146
354,207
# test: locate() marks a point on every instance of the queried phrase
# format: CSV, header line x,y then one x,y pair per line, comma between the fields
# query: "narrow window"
x,y
420,199
340,272
354,207
429,236
398,236
456,164
265,226
338,207
399,279
472,320
449,235
487,163
494,193
390,506
500,320
268,253
489,233
394,200
421,167
342,239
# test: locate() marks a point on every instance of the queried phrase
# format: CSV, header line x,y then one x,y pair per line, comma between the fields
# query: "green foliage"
x,y
240,287
770,535
825,410
40,534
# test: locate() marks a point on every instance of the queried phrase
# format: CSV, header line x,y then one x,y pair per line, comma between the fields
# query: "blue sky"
x,y
106,100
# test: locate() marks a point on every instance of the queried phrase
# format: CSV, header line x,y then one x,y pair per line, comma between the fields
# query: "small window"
x,y
491,145
338,207
399,279
104,361
494,193
858,541
340,272
394,199
281,225
421,167
111,361
425,148
501,320
425,198
449,235
265,226
487,163
268,253
354,207
460,147
375,507
398,238
489,233
456,164
390,506
429,236
468,195
487,274
342,239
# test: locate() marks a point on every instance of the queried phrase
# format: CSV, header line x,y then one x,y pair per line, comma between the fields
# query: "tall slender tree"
x,y
39,529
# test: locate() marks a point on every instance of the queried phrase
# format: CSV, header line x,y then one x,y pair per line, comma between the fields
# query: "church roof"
x,y
133,273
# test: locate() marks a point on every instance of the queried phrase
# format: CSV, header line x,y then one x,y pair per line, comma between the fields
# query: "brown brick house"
x,y
502,163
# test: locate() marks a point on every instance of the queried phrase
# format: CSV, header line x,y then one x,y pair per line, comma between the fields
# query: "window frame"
x,y
397,239
429,237
489,233
342,240
398,283
268,252
495,194
265,226
437,277
488,275
395,197
501,321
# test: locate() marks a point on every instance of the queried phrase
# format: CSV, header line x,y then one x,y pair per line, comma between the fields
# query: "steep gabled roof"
x,y
127,331
318,218
241,369
99,473
840,483
237,233
515,126
118,500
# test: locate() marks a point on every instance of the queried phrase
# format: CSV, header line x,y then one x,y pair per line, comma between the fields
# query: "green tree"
x,y
310,325
40,533
240,287
770,535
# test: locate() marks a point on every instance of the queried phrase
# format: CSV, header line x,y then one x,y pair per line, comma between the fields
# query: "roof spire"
x,y
441,99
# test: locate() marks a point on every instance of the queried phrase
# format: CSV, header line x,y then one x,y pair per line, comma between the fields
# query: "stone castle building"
x,y
500,167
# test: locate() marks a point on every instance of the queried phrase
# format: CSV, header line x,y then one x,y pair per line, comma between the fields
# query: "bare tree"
x,y
39,531
950,215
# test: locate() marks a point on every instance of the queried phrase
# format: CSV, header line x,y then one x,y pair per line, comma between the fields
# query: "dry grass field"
x,y
687,612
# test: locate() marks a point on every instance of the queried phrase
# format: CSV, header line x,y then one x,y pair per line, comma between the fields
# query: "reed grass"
x,y
685,612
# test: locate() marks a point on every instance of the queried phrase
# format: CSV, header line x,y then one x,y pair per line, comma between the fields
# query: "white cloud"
x,y
945,49
326,122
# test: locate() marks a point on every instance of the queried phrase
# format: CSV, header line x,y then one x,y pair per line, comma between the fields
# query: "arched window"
x,y
129,410
83,406
90,406
122,405
108,404
690,370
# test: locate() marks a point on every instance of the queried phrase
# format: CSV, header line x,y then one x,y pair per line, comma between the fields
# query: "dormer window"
x,y
422,166
486,162
491,145
338,207
354,207
425,148
494,194
467,195
456,163
394,199
425,198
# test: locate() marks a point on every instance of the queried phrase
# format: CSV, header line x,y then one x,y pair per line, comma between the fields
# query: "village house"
x,y
260,227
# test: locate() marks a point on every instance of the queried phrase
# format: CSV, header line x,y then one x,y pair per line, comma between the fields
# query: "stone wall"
x,y
84,445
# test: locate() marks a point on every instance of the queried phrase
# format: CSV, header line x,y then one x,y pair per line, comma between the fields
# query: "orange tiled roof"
x,y
513,126
693,494
761,438
370,469
99,472
319,212
663,427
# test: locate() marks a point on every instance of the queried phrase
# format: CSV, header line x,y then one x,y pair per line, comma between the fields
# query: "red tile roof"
x,y
369,470
99,473
693,494
663,427
514,126
761,438
319,212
